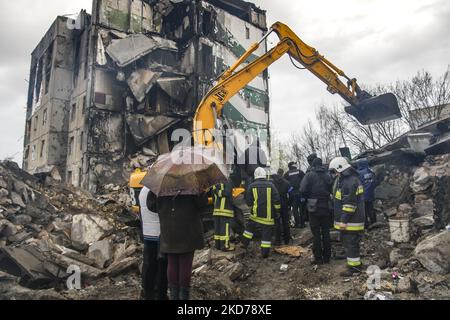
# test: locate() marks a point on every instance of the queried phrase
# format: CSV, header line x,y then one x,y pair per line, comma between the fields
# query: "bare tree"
x,y
422,98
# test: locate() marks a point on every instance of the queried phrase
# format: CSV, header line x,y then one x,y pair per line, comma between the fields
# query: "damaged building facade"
x,y
112,84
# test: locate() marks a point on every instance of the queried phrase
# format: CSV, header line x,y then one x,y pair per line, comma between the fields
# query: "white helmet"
x,y
260,173
340,164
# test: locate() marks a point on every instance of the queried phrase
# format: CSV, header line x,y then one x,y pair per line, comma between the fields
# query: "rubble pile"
x,y
48,229
415,193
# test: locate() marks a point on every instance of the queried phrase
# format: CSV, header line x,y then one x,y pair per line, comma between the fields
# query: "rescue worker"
x,y
349,212
282,228
223,215
264,200
154,269
316,188
367,177
294,176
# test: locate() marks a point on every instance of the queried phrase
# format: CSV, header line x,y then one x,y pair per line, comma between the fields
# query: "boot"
x,y
185,294
351,271
174,293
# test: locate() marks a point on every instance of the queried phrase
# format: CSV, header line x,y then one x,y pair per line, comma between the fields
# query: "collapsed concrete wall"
x,y
137,72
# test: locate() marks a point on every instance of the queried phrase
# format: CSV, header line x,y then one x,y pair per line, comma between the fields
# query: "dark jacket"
x,y
349,201
295,176
264,200
367,178
181,224
283,187
223,200
317,184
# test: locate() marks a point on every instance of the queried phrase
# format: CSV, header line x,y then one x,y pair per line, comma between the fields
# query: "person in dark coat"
x,y
316,188
181,236
367,177
294,176
282,225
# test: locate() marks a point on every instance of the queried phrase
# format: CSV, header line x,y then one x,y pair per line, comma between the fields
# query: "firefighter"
x,y
295,176
264,200
349,212
223,215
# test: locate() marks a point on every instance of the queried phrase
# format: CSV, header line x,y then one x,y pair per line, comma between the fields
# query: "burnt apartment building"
x,y
109,84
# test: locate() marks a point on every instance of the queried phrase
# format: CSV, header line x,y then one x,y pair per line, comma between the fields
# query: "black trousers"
x,y
371,217
320,224
351,242
298,213
282,230
266,236
154,272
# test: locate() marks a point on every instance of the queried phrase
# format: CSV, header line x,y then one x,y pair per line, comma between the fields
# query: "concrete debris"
x,y
127,50
39,242
141,82
88,229
146,127
101,252
434,253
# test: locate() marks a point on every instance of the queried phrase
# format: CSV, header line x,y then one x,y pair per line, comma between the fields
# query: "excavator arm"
x,y
363,106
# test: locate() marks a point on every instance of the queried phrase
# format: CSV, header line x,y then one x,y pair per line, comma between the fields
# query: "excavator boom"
x,y
364,107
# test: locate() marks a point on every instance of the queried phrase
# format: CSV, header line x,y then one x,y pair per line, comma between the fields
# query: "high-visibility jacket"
x,y
264,200
223,200
349,202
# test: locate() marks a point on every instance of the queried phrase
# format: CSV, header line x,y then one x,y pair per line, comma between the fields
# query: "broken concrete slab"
x,y
7,229
66,262
17,199
127,50
424,222
144,127
87,229
24,262
141,82
440,147
11,290
234,271
434,253
101,252
176,87
121,266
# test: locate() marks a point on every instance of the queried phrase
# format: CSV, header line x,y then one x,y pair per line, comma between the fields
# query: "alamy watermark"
x,y
74,280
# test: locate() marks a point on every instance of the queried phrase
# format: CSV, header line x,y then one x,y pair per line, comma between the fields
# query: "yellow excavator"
x,y
364,107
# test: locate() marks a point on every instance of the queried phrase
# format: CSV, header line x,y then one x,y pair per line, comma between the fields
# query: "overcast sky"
x,y
375,41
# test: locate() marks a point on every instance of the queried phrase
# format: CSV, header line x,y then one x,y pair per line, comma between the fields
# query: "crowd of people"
x,y
337,195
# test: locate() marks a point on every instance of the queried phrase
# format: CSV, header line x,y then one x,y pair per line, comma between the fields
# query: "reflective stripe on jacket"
x,y
264,200
349,202
223,200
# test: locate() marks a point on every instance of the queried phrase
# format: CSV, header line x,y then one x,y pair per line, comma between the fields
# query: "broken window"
x,y
86,65
33,152
247,32
48,66
41,154
69,177
207,25
44,117
81,140
207,60
36,120
73,112
84,104
38,85
71,143
80,177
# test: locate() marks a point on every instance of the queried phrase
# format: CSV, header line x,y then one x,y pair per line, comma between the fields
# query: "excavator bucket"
x,y
376,109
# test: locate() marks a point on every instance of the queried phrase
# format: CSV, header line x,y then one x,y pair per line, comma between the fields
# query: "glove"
x,y
302,200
